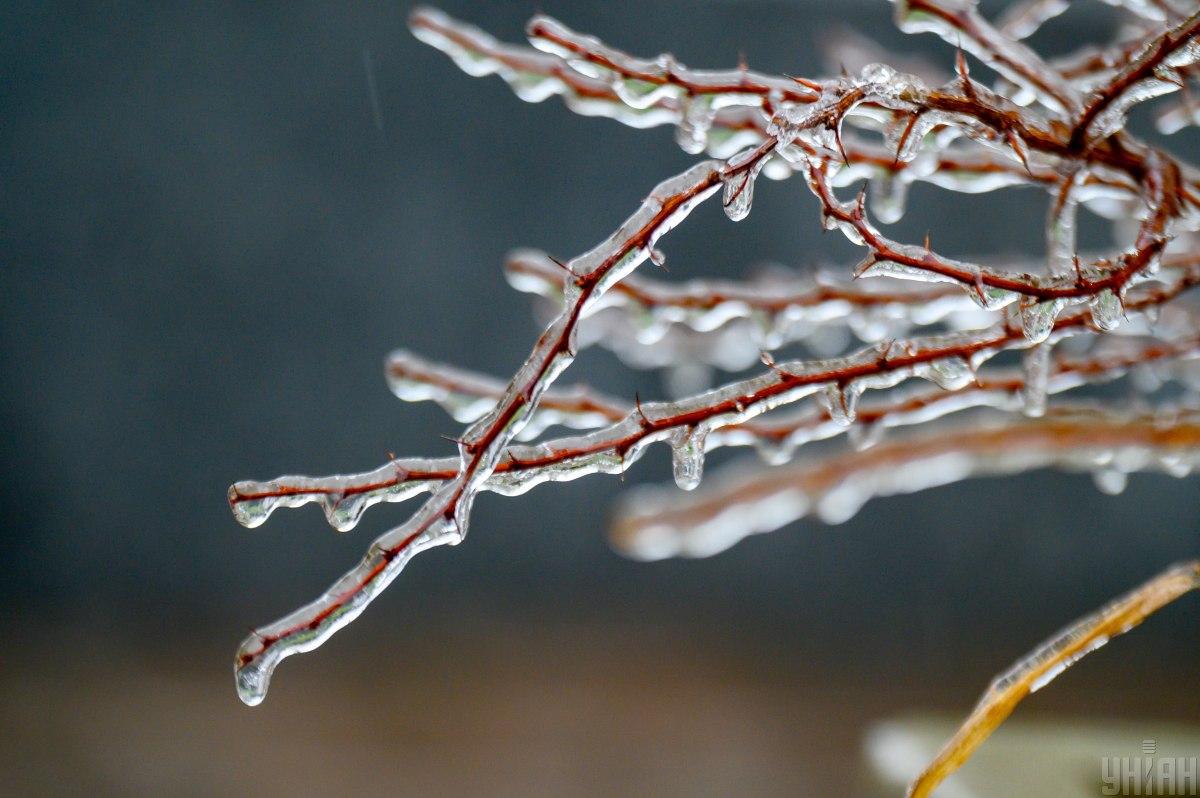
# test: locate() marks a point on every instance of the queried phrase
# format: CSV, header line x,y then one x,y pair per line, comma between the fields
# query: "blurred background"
x,y
216,222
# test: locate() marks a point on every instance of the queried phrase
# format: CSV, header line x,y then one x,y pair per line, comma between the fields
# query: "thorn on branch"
x,y
964,73
637,403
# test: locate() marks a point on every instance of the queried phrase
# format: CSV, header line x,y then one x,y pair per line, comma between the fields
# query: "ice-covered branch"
x,y
468,396
634,319
444,516
722,108
1060,131
1042,298
728,416
1153,72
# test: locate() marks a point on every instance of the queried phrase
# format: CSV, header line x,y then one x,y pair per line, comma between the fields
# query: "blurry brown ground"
x,y
497,709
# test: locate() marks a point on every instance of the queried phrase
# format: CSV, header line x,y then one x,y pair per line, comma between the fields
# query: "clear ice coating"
x,y
443,517
740,115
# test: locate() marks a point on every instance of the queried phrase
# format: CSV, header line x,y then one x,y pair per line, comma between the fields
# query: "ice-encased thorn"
x,y
1107,309
1037,379
989,297
904,136
840,402
1037,319
738,192
343,512
950,373
1110,480
687,456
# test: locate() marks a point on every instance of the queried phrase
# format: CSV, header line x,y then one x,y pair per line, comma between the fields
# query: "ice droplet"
x,y
687,456
950,373
1110,480
1037,319
250,512
1107,310
739,192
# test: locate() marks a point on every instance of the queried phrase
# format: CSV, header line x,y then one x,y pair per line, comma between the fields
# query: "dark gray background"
x,y
209,245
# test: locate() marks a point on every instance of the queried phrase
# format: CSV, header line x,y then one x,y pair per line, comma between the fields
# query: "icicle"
x,y
687,456
1061,227
1107,309
1110,480
344,512
888,192
694,124
1037,380
863,436
869,324
774,452
1037,319
842,503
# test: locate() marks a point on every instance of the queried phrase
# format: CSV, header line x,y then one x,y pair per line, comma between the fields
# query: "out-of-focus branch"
x,y
757,500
